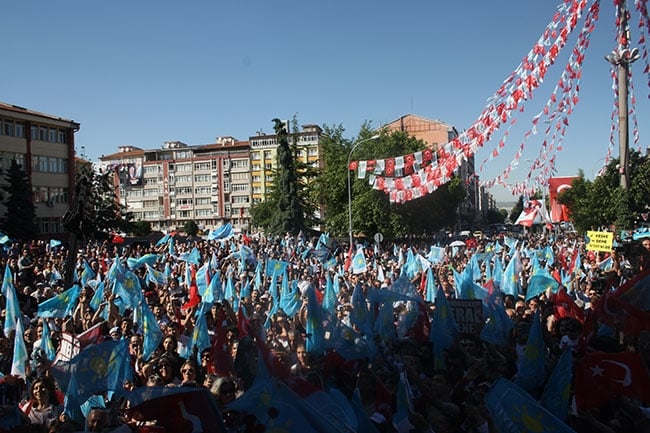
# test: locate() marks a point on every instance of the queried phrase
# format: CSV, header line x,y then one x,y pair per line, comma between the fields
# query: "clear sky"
x,y
146,72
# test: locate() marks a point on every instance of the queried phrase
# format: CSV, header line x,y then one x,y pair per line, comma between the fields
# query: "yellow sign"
x,y
599,241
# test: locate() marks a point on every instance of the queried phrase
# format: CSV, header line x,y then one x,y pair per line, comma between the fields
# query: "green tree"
x,y
190,228
372,211
96,213
20,214
289,215
603,203
141,228
496,216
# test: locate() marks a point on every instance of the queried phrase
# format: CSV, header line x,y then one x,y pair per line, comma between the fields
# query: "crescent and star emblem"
x,y
627,380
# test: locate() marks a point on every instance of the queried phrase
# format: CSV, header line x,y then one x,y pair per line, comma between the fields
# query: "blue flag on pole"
x,y
513,410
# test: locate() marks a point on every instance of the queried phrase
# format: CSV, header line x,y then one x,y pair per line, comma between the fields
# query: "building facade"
x,y
263,155
43,144
168,187
473,210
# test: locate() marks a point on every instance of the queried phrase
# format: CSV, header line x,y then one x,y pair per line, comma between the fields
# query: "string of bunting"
x,y
403,178
555,113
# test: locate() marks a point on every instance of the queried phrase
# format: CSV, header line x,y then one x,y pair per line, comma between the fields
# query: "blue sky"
x,y
146,72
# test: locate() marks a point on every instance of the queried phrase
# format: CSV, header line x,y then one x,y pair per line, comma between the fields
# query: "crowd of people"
x,y
305,320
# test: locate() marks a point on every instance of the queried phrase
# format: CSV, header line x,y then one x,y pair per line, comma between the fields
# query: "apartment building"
x,y
208,184
43,144
474,208
263,156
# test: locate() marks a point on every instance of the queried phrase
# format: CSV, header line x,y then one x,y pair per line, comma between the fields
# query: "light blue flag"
x,y
531,373
497,273
7,281
474,268
98,296
539,283
411,265
12,307
277,411
162,241
557,392
55,243
152,335
359,264
258,276
87,274
497,326
55,276
315,340
20,351
444,330
155,276
431,287
510,283
323,240
404,406
171,249
436,254
46,342
360,315
119,368
464,284
275,267
548,256
136,263
229,292
200,336
4,239
512,409
291,301
194,257
224,232
61,305
203,277
214,291
245,291
329,297
384,325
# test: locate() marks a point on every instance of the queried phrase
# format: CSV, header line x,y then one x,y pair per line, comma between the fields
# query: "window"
x,y
257,178
184,179
240,176
204,212
42,133
267,154
51,165
202,201
183,168
20,129
240,199
53,133
201,178
63,136
150,181
202,166
257,190
150,169
8,127
202,190
239,187
185,154
34,132
185,214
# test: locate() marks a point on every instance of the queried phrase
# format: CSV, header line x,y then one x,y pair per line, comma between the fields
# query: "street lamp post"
x,y
350,184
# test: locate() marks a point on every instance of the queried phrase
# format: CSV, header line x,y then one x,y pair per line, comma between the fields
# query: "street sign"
x,y
379,237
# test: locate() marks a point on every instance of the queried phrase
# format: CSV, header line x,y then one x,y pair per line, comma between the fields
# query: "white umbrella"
x,y
457,244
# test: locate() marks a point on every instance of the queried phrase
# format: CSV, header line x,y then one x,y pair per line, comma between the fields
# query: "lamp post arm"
x,y
350,184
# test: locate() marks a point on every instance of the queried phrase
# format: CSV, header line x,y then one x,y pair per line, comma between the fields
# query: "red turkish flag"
x,y
565,306
602,376
221,362
556,185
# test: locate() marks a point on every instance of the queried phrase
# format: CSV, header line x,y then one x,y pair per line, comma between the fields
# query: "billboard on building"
x,y
131,174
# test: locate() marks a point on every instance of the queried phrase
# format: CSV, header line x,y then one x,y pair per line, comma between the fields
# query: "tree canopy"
x,y
19,219
603,202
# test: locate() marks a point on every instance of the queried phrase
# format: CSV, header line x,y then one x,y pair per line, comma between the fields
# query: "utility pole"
x,y
622,57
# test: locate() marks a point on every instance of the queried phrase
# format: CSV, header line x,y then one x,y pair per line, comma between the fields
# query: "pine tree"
x,y
20,214
289,216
